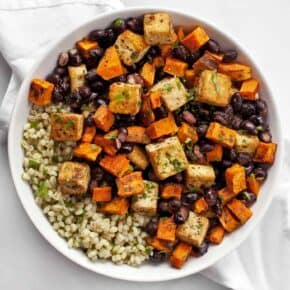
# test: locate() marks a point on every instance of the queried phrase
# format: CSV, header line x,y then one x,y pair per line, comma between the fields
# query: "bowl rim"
x,y
278,162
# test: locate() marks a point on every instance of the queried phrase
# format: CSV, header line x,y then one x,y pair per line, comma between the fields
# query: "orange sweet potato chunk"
x,y
225,195
40,92
200,206
190,76
166,229
265,153
171,190
187,132
236,71
180,254
117,165
158,61
130,184
216,154
228,221
85,45
221,135
107,142
158,244
208,60
249,89
236,178
240,211
89,134
253,184
175,67
110,65
194,40
117,206
104,118
137,134
216,235
146,113
155,99
102,194
180,33
87,151
148,74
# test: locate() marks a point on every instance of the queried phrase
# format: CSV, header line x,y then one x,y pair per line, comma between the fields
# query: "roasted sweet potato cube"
x,y
74,177
216,154
117,165
158,245
236,71
138,157
137,134
190,76
265,153
89,134
146,113
147,72
66,126
216,235
87,151
102,194
175,67
200,206
40,92
158,61
186,132
221,135
253,184
166,229
155,99
240,211
104,118
117,206
180,33
225,195
107,142
249,89
228,221
194,40
171,190
85,45
130,184
180,254
208,60
162,127
236,178
110,65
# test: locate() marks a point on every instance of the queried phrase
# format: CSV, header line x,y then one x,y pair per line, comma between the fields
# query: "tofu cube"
x,y
214,88
146,203
131,47
198,175
40,92
66,126
77,76
138,157
172,93
125,98
167,158
158,29
246,143
74,177
194,230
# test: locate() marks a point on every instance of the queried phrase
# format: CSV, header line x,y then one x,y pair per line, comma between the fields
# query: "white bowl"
x,y
146,272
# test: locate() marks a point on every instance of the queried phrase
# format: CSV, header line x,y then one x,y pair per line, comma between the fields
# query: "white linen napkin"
x,y
28,28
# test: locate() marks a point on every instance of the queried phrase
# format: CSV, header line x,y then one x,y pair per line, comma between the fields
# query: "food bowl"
x,y
146,272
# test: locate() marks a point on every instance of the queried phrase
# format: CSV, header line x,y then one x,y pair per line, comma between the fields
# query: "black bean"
x,y
163,208
89,121
257,120
122,137
152,176
61,71
74,100
53,78
94,57
226,163
151,227
63,59
193,57
237,101
213,222
135,79
57,95
236,122
206,147
262,107
228,110
154,51
210,196
189,117
180,52
191,197
93,183
201,250
230,55
117,143
158,256
249,127
201,130
217,208
249,168
121,79
260,173
92,76
98,86
110,38
232,154
244,158
101,102
181,215
135,24
97,35
247,197
220,117
85,92
213,46
248,109
174,205
119,25
265,137
126,148
177,177
97,173
160,113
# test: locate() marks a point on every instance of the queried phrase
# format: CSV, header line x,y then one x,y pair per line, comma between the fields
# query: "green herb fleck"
x,y
57,118
168,88
214,80
221,137
118,22
176,44
190,95
134,198
69,124
134,56
34,124
178,83
94,146
112,136
42,190
121,97
260,128
33,164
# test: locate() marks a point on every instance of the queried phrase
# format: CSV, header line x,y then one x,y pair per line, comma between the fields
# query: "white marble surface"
x,y
28,262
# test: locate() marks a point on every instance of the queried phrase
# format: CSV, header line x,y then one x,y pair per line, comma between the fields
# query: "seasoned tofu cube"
x,y
246,143
214,88
77,76
74,177
167,158
146,203
198,175
194,230
138,157
131,47
40,92
172,92
158,29
125,98
66,126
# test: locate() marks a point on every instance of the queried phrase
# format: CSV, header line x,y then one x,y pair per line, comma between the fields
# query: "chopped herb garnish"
x,y
42,190
57,118
112,135
260,128
94,146
214,80
190,95
34,124
69,124
168,88
178,83
176,44
134,55
33,164
121,97
134,198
